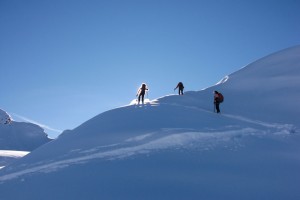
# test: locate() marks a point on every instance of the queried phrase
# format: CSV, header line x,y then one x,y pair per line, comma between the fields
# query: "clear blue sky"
x,y
65,61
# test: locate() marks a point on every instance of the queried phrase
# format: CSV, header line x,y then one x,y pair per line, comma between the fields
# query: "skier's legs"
x,y
181,91
218,107
143,95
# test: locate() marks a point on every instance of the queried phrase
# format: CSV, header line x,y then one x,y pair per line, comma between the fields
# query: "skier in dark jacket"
x,y
180,88
217,101
141,92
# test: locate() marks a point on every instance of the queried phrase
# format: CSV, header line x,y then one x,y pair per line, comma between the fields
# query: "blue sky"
x,y
65,61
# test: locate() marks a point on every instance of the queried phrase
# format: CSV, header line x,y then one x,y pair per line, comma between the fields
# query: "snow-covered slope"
x,y
176,147
20,135
266,90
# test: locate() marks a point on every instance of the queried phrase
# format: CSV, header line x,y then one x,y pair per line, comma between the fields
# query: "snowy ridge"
x,y
176,147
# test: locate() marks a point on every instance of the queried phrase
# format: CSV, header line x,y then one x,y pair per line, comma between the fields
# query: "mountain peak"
x,y
4,117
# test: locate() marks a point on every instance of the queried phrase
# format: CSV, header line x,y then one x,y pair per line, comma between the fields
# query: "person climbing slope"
x,y
141,92
180,88
218,98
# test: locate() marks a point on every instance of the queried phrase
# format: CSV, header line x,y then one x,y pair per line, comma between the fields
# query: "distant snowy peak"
x,y
4,117
20,135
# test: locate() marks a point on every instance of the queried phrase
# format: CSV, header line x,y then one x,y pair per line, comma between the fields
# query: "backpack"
x,y
221,97
180,85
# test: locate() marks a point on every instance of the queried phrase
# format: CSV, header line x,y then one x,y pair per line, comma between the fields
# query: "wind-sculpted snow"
x,y
7,156
148,143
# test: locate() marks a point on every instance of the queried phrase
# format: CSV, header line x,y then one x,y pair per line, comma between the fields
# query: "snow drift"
x,y
176,147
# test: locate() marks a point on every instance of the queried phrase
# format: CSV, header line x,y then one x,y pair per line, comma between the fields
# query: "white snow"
x,y
176,147
13,154
7,156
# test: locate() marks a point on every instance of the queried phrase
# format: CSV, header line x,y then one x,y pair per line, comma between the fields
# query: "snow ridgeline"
x,y
175,147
